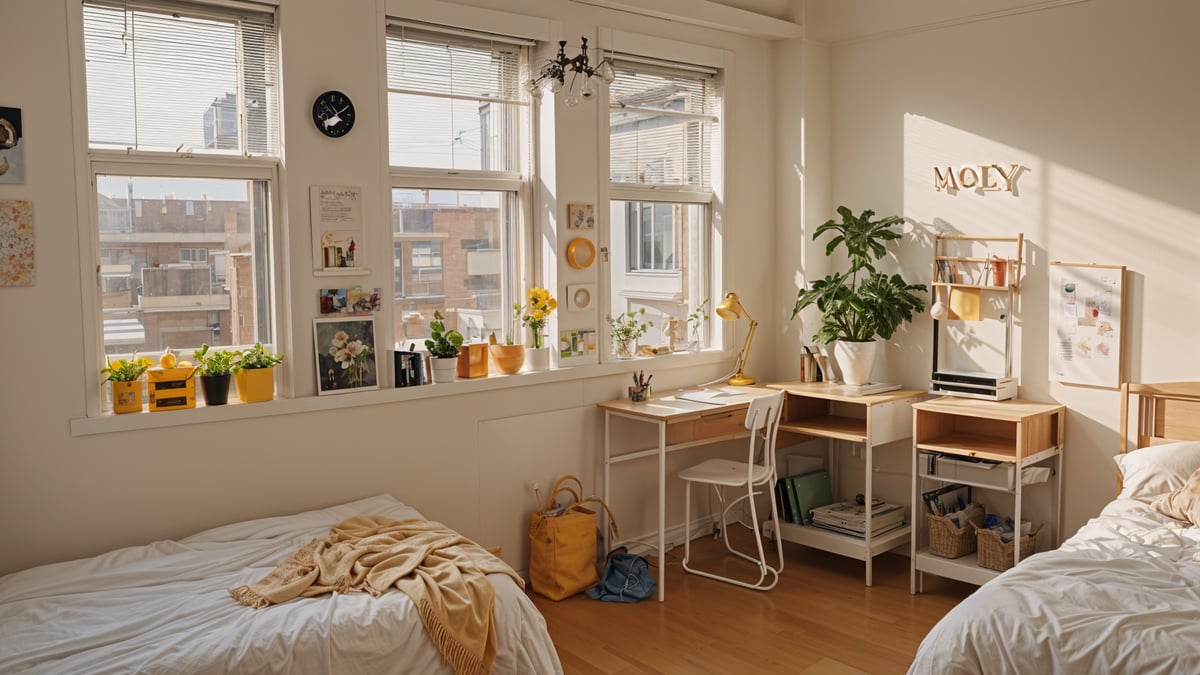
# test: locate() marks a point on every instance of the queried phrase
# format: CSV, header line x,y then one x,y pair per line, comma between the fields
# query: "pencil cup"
x,y
639,394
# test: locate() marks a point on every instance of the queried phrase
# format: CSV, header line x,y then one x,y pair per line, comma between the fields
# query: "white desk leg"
x,y
869,500
607,471
662,510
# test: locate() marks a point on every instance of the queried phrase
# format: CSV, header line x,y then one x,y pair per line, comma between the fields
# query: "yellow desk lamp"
x,y
731,309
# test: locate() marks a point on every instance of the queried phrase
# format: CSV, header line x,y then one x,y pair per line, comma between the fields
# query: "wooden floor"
x,y
820,619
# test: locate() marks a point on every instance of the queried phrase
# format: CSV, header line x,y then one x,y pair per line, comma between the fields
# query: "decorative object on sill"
x,y
627,327
537,359
473,360
126,378
171,388
694,321
443,349
409,367
862,303
731,309
670,328
254,372
535,314
508,357
215,367
584,79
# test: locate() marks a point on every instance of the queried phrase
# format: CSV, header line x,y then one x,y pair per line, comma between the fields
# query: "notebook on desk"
x,y
714,396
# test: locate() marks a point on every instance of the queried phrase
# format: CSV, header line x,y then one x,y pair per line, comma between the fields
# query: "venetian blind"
x,y
454,97
182,77
663,118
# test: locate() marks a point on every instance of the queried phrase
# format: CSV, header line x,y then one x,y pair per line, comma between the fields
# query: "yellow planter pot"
x,y
473,360
508,358
255,384
127,396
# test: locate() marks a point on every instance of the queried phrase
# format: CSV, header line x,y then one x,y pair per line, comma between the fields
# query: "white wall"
x,y
1098,100
462,459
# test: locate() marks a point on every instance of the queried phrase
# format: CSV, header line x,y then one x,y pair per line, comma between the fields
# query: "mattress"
x,y
165,608
1120,596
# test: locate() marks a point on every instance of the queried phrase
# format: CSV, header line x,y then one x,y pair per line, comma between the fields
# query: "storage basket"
x,y
949,540
996,554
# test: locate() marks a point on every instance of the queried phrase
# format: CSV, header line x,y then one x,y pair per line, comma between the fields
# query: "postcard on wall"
x,y
1086,305
345,351
12,149
577,343
351,301
581,216
16,243
337,223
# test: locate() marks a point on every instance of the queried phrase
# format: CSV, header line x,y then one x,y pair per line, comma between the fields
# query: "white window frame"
x,y
715,253
92,162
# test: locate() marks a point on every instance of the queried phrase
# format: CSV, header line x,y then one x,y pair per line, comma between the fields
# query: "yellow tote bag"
x,y
562,546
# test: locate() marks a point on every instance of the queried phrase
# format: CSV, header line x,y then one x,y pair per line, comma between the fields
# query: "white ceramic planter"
x,y
856,360
537,359
443,369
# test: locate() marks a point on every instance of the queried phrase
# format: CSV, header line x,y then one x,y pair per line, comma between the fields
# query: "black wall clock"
x,y
333,113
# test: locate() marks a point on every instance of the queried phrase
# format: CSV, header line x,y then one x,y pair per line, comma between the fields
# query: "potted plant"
x,y
539,304
695,320
254,374
126,378
862,303
215,367
627,327
443,349
508,357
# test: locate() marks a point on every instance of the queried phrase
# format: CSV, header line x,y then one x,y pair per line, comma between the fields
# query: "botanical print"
x,y
581,216
345,355
16,243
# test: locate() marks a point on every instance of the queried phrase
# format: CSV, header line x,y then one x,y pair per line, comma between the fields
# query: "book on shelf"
x,y
853,517
812,489
782,501
861,534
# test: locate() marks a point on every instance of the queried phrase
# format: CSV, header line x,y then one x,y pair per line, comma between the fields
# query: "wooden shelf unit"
x,y
820,410
1017,432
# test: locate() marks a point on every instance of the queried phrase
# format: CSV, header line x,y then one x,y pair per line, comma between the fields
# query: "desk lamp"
x,y
731,309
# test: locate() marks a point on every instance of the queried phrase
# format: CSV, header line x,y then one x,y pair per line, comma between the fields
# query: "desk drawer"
x,y
709,426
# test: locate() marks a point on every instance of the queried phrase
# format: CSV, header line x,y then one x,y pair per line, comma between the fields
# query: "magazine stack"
x,y
851,518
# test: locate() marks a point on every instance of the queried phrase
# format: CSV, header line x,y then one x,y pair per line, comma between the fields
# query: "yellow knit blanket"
x,y
439,569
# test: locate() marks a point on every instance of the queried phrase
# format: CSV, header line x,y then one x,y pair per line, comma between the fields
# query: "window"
x,y
182,111
457,123
664,140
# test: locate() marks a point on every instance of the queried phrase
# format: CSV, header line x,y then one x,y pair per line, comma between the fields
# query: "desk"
x,y
681,424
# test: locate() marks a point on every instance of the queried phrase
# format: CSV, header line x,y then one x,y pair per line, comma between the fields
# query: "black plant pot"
x,y
216,388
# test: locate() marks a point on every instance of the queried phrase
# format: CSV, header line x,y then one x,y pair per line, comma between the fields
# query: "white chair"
x,y
762,419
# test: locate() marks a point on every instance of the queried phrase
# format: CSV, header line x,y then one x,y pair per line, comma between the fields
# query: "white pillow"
x,y
1158,469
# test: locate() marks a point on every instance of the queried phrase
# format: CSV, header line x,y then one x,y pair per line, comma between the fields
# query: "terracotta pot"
x,y
508,358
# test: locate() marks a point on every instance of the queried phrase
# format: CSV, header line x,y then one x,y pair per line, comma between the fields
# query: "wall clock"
x,y
333,113
580,253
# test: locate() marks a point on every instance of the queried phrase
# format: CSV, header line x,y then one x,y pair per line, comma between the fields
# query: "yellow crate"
x,y
171,388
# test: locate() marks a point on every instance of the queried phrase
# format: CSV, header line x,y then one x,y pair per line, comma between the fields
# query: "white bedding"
x,y
1120,596
165,608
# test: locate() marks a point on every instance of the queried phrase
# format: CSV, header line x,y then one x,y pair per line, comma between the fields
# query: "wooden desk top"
x,y
671,409
840,392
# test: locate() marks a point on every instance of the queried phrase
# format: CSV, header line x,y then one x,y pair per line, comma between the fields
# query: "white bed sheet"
x,y
1120,596
165,608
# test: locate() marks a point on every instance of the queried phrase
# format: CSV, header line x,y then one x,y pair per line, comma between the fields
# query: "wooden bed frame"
x,y
1166,412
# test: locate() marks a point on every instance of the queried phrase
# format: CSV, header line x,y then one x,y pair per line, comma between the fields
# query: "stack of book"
x,y
851,518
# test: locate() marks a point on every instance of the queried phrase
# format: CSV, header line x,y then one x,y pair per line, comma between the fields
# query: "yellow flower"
x,y
552,303
538,315
117,365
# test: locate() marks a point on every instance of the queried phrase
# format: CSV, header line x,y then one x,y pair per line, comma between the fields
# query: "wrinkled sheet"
x,y
1120,596
165,608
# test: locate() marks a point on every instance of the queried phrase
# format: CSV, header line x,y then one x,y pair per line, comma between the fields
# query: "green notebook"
x,y
812,490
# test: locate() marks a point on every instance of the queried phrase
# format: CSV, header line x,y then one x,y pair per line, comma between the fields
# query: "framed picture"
x,y
581,297
345,351
351,301
1087,304
581,216
12,150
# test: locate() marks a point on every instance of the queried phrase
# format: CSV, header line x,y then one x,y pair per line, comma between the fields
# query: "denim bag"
x,y
626,578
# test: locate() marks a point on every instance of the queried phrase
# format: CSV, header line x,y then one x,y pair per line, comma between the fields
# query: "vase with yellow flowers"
x,y
126,378
535,314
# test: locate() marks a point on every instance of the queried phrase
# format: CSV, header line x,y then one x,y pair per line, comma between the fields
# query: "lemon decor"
x,y
536,313
168,359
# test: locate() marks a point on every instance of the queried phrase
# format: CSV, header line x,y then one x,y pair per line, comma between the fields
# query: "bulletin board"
x,y
1087,329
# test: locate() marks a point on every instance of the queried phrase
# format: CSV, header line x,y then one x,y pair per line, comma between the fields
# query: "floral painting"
x,y
345,350
16,243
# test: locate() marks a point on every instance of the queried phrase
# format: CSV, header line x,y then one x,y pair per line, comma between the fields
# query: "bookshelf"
x,y
824,410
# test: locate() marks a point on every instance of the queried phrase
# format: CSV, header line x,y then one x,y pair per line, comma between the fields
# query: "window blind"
x,y
454,98
663,118
182,77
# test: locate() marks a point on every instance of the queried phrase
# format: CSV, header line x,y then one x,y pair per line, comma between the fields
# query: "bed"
x,y
167,608
1122,595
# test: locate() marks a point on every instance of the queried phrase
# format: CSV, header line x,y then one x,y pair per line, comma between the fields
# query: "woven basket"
x,y
996,554
949,540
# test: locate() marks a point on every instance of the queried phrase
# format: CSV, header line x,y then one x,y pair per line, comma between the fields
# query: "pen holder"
x,y
639,394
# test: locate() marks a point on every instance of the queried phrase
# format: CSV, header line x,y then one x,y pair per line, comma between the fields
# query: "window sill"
x,y
235,410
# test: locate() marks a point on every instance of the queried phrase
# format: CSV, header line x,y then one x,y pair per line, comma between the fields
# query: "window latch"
x,y
604,252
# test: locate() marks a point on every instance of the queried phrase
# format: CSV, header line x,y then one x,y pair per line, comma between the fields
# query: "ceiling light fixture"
x,y
554,73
